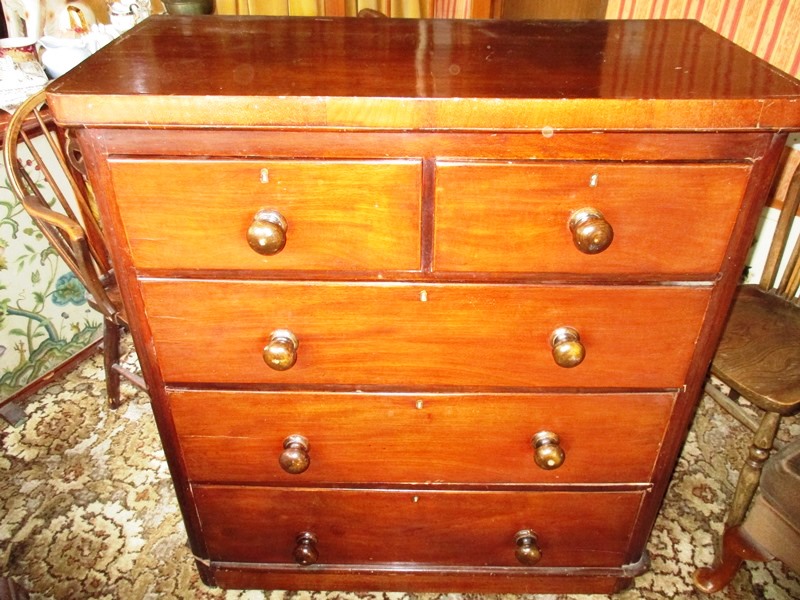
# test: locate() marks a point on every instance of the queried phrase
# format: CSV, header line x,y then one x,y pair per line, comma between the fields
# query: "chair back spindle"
x,y
789,283
70,225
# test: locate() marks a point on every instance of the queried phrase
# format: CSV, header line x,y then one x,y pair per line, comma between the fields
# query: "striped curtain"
x,y
451,9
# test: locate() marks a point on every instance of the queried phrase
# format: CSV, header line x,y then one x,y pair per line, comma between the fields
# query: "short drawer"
x,y
240,437
359,527
409,336
338,215
665,218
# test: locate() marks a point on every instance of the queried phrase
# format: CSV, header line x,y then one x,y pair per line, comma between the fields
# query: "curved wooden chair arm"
x,y
69,239
38,209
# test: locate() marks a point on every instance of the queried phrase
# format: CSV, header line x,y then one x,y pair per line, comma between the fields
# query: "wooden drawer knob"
x,y
548,454
527,552
295,459
267,233
568,351
280,353
591,233
305,550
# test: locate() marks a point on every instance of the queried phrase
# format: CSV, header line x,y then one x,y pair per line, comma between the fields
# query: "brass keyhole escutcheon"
x,y
305,550
548,454
267,233
280,353
591,233
568,351
295,458
527,551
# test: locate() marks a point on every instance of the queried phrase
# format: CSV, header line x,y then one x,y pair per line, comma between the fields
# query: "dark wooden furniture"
x,y
759,357
425,305
70,226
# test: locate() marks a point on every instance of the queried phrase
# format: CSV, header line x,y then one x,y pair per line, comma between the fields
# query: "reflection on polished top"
x,y
443,73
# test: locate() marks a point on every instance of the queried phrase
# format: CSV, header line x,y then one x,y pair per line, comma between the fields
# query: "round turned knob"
x,y
280,353
547,452
527,552
568,351
267,233
591,233
305,550
295,459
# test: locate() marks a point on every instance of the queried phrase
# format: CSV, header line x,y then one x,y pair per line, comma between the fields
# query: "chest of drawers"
x,y
425,305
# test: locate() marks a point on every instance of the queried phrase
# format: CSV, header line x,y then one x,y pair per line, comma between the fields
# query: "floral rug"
x,y
87,508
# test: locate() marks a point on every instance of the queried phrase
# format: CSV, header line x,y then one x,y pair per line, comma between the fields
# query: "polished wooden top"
x,y
430,74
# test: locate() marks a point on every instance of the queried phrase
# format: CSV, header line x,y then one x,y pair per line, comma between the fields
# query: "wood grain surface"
x,y
413,336
252,524
340,214
427,171
513,217
453,74
419,438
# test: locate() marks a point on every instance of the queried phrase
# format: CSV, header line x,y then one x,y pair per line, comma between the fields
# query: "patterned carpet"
x,y
87,508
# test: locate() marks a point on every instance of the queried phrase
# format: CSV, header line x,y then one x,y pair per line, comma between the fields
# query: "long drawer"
x,y
239,437
409,335
251,524
338,215
664,218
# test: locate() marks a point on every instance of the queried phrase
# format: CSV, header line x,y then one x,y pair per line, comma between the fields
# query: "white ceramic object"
x,y
124,14
24,18
59,55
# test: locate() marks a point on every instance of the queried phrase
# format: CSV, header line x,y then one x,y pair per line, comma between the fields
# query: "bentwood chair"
x,y
759,357
70,224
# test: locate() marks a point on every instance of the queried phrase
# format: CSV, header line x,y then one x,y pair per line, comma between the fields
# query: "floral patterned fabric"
x,y
44,316
87,508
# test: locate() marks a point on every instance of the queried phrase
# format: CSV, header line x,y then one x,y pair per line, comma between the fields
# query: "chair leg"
x,y
111,338
751,470
12,413
736,548
11,590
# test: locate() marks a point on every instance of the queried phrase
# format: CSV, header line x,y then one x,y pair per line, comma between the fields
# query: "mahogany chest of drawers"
x,y
425,305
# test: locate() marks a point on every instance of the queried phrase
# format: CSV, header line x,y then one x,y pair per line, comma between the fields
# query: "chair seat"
x,y
768,378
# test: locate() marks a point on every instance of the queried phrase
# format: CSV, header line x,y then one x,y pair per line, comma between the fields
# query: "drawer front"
x,y
408,335
666,219
250,524
238,437
339,215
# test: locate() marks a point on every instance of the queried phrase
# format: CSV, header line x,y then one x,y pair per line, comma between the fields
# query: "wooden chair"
x,y
759,354
770,530
71,228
